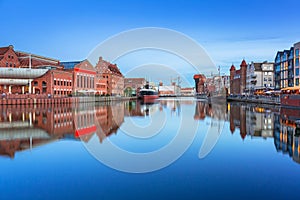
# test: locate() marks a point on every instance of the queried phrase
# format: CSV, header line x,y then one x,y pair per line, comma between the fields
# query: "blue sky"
x,y
228,30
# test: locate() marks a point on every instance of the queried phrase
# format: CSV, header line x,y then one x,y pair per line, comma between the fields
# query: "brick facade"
x,y
51,78
84,78
112,75
54,82
238,78
18,83
8,57
200,79
133,85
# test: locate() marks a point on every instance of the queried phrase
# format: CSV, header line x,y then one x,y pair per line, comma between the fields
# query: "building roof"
x,y
243,64
257,67
232,68
104,66
69,64
198,76
3,50
36,60
114,69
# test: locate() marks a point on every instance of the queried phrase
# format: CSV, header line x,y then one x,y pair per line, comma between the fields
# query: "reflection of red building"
x,y
202,110
109,119
25,128
215,111
133,109
238,119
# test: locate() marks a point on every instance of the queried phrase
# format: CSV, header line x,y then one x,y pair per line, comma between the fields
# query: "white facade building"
x,y
260,76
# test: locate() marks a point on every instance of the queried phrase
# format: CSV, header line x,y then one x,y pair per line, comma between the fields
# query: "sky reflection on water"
x,y
255,156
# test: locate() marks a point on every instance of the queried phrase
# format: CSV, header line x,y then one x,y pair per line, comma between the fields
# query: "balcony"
x,y
254,82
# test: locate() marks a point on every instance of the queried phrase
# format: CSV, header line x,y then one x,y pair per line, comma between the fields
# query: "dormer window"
x,y
8,56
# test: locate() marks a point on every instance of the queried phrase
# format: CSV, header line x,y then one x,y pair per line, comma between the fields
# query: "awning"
x,y
291,88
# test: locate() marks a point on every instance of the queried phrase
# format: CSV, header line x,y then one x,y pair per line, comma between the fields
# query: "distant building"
x,y
238,79
296,64
287,67
260,76
226,83
168,90
133,85
200,80
113,77
187,91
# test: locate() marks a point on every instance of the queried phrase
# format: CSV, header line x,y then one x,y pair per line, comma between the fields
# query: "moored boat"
x,y
148,95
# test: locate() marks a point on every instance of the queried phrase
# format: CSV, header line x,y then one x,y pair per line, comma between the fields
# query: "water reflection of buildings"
x,y
216,111
174,104
287,133
139,108
109,119
279,124
252,120
25,128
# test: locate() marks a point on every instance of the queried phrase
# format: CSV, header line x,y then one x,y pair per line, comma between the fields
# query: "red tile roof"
x,y
104,66
36,60
232,68
114,69
3,50
243,64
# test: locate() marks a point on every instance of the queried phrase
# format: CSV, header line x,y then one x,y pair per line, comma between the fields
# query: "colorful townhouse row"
x,y
256,77
259,77
26,73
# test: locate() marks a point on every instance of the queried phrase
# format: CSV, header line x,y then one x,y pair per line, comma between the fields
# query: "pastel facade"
x,y
260,76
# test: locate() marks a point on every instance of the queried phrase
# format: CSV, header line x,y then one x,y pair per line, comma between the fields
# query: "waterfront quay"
x,y
30,99
274,100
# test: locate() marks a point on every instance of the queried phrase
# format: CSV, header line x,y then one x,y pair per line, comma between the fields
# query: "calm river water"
x,y
170,149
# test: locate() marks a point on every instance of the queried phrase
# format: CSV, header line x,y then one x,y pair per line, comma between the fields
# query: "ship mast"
x,y
29,61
